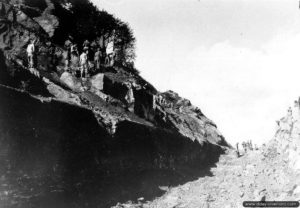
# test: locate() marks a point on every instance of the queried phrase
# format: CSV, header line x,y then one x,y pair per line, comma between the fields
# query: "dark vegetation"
x,y
33,7
40,4
84,21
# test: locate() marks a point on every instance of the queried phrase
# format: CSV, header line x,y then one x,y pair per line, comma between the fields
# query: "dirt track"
x,y
263,174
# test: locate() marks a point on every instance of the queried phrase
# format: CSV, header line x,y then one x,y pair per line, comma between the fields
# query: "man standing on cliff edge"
x,y
83,59
30,53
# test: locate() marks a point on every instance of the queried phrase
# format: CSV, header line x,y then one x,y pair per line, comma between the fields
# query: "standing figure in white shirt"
x,y
30,53
84,63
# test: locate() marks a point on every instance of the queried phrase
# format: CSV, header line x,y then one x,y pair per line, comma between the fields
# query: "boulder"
x,y
62,94
71,81
97,81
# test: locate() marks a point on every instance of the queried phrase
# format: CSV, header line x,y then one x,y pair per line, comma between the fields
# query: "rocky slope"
x,y
271,173
68,142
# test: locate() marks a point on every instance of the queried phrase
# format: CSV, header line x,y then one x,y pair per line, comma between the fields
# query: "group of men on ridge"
x,y
90,58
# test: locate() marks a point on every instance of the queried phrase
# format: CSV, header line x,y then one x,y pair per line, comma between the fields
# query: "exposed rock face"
x,y
268,174
48,21
76,132
97,82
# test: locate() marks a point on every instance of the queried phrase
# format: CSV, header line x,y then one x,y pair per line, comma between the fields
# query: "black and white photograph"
x,y
149,103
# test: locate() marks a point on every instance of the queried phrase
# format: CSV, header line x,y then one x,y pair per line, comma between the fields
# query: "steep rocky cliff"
x,y
270,173
72,142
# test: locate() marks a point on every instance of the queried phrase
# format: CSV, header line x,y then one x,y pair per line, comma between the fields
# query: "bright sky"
x,y
237,60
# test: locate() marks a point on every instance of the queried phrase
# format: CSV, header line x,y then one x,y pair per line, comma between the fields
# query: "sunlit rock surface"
x,y
270,173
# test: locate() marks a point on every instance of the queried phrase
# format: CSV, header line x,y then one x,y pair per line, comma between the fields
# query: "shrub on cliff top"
x,y
84,21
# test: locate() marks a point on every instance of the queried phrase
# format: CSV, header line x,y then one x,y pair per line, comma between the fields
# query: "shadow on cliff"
x,y
55,155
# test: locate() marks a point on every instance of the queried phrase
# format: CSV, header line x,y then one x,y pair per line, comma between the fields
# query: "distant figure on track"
x,y
237,150
244,147
251,145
